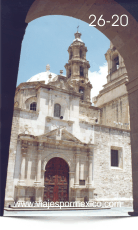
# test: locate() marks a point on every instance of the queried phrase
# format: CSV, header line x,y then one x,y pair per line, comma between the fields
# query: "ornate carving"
x,y
24,147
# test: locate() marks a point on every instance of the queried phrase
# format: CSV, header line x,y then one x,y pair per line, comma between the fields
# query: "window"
x,y
81,71
114,157
81,90
117,62
81,54
69,73
57,110
33,106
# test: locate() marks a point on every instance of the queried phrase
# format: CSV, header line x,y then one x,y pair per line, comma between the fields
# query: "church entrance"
x,y
56,180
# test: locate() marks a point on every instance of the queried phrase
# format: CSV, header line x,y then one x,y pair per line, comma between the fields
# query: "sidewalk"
x,y
123,211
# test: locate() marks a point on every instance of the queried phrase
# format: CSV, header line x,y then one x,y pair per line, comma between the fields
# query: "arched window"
x,y
33,106
81,90
69,73
57,110
116,62
81,54
81,71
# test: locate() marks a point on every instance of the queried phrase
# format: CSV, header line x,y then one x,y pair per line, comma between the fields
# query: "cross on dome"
x,y
47,67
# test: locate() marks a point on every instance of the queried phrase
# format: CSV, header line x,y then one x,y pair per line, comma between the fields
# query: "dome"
x,y
44,76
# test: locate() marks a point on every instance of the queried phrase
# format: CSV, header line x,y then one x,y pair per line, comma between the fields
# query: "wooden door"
x,y
56,180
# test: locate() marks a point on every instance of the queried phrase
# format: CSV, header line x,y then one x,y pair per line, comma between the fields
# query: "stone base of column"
x,y
21,183
9,202
39,194
37,183
76,185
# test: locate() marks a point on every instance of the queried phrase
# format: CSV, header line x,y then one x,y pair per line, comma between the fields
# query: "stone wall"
x,y
112,183
116,111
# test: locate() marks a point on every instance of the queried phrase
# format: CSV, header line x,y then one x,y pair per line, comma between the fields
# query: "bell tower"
x,y
77,68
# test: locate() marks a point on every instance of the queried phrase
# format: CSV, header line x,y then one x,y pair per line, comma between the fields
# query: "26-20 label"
x,y
122,20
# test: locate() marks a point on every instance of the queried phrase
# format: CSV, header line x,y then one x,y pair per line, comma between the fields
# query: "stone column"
x,y
90,176
37,183
21,183
90,161
38,175
71,176
77,169
132,87
24,149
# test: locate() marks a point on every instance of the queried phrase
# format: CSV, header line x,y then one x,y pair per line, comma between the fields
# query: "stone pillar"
x,y
38,176
23,168
24,149
132,87
90,162
71,177
77,169
90,175
21,183
37,183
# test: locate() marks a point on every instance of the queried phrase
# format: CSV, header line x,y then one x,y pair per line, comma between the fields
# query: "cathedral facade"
x,y
62,147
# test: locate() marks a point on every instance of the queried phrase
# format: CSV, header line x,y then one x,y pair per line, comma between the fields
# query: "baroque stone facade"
x,y
54,121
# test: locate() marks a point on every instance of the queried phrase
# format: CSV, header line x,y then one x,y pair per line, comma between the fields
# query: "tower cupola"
x,y
77,68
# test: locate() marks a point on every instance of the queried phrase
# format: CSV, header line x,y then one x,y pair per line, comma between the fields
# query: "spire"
x,y
77,34
77,68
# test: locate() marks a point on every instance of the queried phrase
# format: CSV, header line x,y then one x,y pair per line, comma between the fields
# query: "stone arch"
x,y
29,101
52,155
63,103
125,40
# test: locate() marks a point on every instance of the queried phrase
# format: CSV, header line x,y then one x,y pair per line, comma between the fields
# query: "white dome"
x,y
44,76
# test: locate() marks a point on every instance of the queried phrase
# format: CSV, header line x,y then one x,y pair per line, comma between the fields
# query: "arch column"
x,y
24,150
90,174
132,87
21,183
39,189
90,162
77,164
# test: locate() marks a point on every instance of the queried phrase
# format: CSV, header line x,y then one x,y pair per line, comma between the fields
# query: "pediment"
x,y
69,137
60,134
61,82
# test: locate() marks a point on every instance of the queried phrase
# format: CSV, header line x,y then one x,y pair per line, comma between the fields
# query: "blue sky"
x,y
46,42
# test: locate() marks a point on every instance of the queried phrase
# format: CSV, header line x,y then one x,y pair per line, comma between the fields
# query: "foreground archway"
x,y
56,180
13,28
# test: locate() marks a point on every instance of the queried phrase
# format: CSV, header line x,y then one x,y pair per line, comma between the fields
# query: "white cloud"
x,y
98,79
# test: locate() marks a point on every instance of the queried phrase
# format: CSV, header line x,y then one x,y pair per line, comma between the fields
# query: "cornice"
x,y
47,142
115,99
111,127
106,90
51,87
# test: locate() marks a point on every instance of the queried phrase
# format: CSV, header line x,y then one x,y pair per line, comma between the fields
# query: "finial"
x,y
77,28
47,67
50,76
61,72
